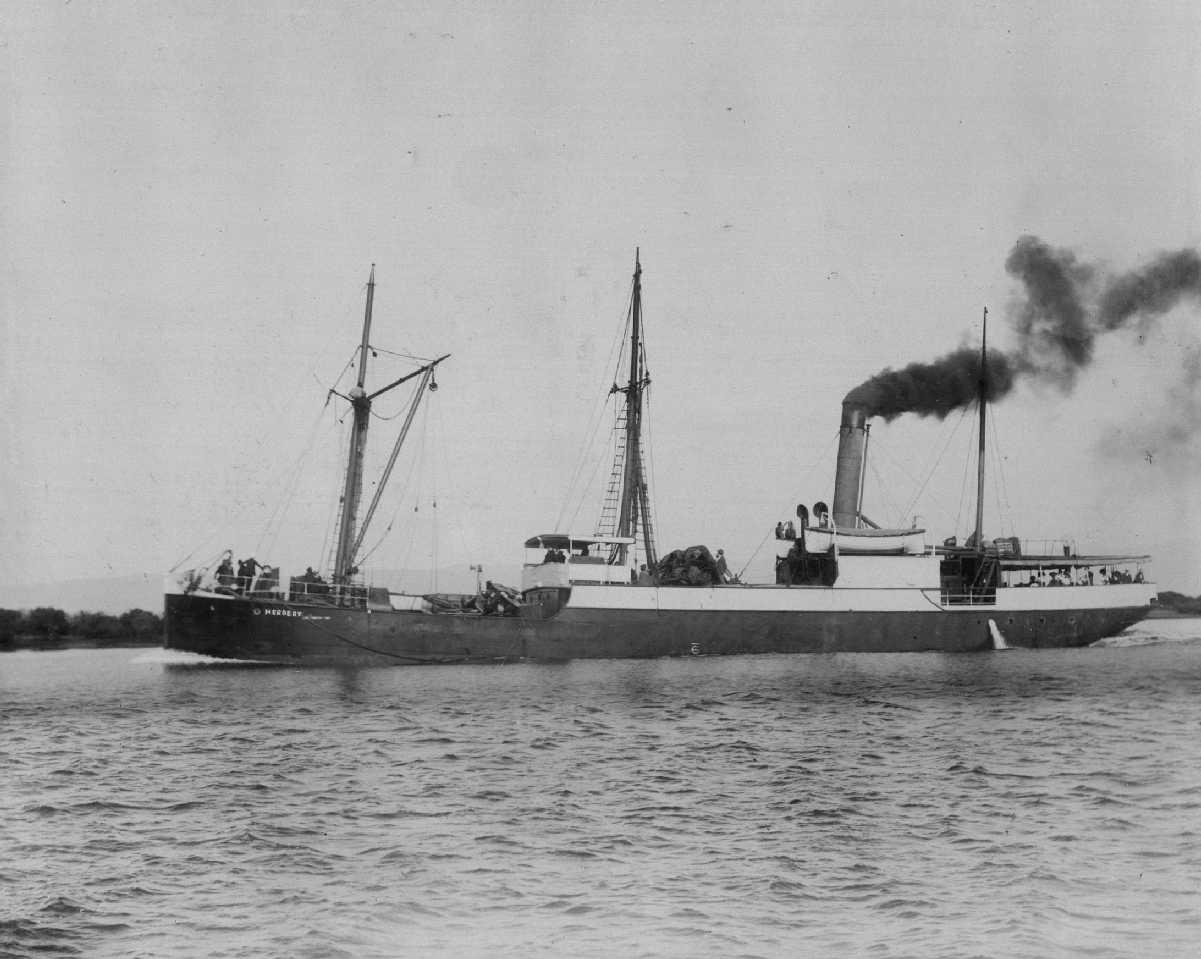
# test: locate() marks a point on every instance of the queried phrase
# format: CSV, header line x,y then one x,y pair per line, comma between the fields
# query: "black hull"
x,y
313,635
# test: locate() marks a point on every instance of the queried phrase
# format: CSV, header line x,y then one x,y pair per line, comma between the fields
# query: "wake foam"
x,y
179,657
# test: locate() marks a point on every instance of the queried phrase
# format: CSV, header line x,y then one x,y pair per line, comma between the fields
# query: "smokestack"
x,y
848,475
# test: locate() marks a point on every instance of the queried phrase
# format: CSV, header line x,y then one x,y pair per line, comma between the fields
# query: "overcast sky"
x,y
194,194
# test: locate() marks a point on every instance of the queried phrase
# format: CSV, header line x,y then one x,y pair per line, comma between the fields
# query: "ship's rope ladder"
x,y
611,507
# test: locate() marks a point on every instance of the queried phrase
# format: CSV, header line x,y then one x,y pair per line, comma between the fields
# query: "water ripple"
x,y
1044,803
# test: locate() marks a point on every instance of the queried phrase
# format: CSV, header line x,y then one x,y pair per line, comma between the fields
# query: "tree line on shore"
x,y
47,625
1179,603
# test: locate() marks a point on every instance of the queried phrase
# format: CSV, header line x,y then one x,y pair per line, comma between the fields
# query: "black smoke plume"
x,y
1064,306
1151,291
1054,332
934,389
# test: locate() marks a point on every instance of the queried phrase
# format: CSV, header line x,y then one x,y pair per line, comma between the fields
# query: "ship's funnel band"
x,y
848,476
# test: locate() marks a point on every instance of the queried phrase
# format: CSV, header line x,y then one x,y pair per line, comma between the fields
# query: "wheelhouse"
x,y
565,559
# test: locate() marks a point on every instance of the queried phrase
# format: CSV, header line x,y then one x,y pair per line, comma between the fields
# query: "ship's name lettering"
x,y
282,612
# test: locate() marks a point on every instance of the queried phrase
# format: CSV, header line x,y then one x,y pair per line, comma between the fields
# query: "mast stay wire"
x,y
333,516
651,479
415,466
967,462
447,472
420,360
934,469
402,408
881,451
589,441
819,461
287,475
274,523
889,504
1000,488
616,349
596,465
435,518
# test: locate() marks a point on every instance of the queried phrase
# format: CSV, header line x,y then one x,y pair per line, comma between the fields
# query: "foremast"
x,y
352,489
634,511
349,541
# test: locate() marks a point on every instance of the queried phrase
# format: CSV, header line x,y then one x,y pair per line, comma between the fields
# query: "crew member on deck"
x,y
246,570
490,599
723,571
225,572
270,579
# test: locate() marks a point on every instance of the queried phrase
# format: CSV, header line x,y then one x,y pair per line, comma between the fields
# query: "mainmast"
x,y
978,536
352,490
635,506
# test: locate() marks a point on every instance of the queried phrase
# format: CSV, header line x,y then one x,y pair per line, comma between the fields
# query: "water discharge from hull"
x,y
998,638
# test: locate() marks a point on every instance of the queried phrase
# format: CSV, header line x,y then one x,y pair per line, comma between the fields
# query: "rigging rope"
x,y
820,461
890,506
934,468
208,564
963,484
400,501
1004,512
434,517
652,505
420,360
617,347
267,540
442,446
253,492
333,516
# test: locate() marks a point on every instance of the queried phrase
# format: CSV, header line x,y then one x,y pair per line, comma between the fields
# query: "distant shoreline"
x,y
40,644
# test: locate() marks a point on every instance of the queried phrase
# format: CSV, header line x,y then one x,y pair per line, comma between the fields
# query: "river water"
x,y
1015,803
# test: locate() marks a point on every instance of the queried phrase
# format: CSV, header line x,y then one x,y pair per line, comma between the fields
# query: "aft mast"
x,y
978,535
635,502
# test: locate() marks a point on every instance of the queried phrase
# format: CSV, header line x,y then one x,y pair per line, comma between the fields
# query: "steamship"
x,y
841,584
